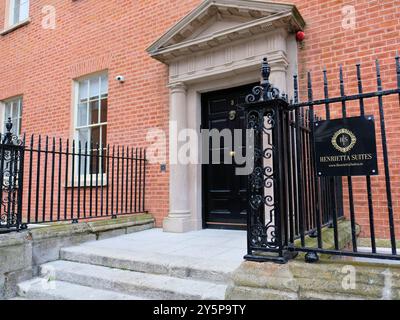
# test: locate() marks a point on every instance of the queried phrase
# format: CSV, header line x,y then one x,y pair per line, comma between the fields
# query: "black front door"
x,y
224,192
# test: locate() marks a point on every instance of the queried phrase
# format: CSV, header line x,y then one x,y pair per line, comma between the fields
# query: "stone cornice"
x,y
262,16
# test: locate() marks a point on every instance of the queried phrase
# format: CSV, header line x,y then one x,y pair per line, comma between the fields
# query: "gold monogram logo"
x,y
344,140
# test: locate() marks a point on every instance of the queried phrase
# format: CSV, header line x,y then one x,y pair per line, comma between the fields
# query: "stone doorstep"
x,y
294,280
26,250
133,283
162,264
42,289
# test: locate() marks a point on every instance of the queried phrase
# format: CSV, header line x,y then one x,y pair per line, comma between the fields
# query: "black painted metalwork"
x,y
311,257
266,112
68,181
11,180
90,181
288,201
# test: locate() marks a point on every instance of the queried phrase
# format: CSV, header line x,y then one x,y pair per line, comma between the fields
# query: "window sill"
x,y
15,27
82,182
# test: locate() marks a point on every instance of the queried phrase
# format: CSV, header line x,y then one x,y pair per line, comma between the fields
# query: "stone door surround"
x,y
220,44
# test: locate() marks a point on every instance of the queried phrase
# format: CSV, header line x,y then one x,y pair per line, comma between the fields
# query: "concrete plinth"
x,y
326,280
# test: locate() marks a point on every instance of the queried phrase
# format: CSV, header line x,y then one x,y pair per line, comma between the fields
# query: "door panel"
x,y
224,193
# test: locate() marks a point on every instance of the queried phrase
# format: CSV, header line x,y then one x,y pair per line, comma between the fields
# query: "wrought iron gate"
x,y
288,200
11,180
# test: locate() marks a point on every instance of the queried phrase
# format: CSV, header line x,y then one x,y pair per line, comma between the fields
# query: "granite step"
x,y
45,289
131,283
162,264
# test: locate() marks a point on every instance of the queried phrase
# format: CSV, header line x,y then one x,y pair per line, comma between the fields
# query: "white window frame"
x,y
4,119
12,20
100,96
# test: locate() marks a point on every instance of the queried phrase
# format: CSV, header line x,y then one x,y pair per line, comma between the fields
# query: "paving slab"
x,y
223,246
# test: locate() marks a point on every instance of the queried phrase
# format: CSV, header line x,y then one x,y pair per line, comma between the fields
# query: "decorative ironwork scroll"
x,y
290,197
11,180
261,181
265,91
263,109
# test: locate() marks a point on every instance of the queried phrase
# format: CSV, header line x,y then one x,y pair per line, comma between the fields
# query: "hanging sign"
x,y
346,147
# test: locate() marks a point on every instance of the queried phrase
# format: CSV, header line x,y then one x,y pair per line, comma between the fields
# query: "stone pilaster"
x,y
178,219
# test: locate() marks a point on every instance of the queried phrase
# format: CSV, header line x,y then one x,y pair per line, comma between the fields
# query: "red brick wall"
x,y
328,44
93,35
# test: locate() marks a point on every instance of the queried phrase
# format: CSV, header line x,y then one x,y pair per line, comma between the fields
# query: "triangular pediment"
x,y
216,24
216,21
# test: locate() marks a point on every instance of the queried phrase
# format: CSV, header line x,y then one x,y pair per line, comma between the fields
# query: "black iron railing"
x,y
361,98
70,180
11,180
303,194
289,200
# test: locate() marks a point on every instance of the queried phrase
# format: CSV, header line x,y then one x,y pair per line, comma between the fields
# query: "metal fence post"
x,y
267,213
11,180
